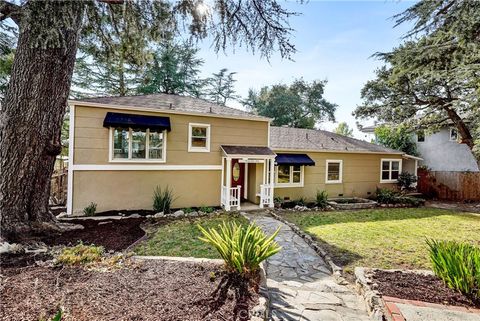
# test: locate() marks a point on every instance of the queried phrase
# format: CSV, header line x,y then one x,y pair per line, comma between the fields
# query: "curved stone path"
x,y
300,284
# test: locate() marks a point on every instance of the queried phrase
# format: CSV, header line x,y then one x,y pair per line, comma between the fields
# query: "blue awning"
x,y
136,121
294,159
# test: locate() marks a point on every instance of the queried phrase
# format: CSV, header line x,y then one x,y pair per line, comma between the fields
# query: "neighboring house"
x,y
441,151
121,148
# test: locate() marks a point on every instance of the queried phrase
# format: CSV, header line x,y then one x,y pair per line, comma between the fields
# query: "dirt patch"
x,y
153,290
419,287
112,234
9,260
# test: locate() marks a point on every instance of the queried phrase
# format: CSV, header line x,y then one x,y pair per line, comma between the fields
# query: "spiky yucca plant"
x,y
242,248
458,265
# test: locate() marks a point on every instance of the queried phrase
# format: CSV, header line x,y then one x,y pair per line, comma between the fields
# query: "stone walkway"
x,y
301,285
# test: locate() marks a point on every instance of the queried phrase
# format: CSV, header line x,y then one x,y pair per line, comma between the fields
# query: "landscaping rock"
x,y
194,213
300,208
178,213
63,214
6,247
149,216
159,215
135,216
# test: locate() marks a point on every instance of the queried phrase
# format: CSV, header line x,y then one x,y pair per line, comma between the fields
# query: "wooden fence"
x,y
58,187
453,186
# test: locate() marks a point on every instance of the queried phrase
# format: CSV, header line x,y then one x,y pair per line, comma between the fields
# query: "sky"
x,y
335,41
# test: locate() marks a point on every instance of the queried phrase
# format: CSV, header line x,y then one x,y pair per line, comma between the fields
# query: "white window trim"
x,y
137,160
450,134
340,176
424,137
193,149
299,184
390,169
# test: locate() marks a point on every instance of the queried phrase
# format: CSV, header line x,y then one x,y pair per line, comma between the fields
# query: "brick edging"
x,y
393,301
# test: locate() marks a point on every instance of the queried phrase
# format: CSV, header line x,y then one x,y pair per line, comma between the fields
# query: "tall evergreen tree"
x,y
220,88
173,70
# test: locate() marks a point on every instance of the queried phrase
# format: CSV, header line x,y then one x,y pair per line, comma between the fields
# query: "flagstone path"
x,y
300,284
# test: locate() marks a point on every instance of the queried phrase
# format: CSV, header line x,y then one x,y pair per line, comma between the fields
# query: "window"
x,y
420,136
334,171
390,170
453,134
138,144
289,175
198,137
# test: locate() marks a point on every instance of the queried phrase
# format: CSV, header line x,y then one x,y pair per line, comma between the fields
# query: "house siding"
x,y
361,176
125,189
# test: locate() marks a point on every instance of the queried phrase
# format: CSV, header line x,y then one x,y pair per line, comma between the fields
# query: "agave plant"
x,y
242,248
458,265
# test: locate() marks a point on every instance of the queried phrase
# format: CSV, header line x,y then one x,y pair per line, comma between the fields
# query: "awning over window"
x,y
294,159
136,121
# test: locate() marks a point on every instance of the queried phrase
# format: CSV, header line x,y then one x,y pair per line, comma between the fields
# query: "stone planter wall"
x,y
363,203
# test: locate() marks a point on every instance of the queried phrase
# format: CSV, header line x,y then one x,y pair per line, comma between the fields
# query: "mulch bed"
x,y
112,234
419,287
151,290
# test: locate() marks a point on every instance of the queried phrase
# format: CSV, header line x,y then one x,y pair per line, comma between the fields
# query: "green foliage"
x,y
242,248
90,210
457,264
385,195
300,104
322,198
188,210
399,138
162,199
57,317
206,209
278,200
80,254
220,87
344,130
174,69
432,80
301,201
406,180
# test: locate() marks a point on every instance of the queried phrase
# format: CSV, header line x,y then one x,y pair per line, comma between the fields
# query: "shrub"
x,y
406,180
385,195
162,199
277,200
206,209
458,265
301,201
80,254
242,248
90,210
321,198
188,210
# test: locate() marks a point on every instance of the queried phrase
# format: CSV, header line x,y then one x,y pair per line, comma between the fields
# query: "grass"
x,y
386,238
180,238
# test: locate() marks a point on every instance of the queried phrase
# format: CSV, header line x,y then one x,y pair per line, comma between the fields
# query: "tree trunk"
x,y
32,113
462,128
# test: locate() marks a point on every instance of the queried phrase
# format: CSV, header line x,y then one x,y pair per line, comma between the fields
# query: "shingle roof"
x,y
171,103
312,139
247,150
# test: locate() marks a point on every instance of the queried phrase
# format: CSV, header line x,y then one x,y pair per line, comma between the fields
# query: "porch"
x,y
247,177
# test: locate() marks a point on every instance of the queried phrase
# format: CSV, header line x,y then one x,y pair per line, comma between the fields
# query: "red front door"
x,y
238,175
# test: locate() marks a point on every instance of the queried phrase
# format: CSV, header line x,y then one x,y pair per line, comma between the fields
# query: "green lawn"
x,y
180,238
386,238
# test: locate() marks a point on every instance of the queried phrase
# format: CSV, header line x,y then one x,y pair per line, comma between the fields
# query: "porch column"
x,y
229,183
262,192
272,172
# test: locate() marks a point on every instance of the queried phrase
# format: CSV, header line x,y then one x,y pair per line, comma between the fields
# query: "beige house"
x,y
121,148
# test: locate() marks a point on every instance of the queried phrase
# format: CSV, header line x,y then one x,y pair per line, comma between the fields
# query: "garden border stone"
x,y
373,299
364,204
260,312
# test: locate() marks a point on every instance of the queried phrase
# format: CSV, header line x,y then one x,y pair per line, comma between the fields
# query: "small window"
x,y
453,134
289,176
130,144
390,170
334,171
420,136
199,138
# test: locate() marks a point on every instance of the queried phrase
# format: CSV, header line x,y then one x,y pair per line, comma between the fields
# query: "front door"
x,y
238,176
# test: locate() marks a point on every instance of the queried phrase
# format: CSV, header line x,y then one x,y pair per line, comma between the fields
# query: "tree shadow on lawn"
x,y
376,215
231,287
340,256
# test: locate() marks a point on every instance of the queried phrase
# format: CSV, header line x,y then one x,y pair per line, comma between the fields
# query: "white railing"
x,y
266,195
231,197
